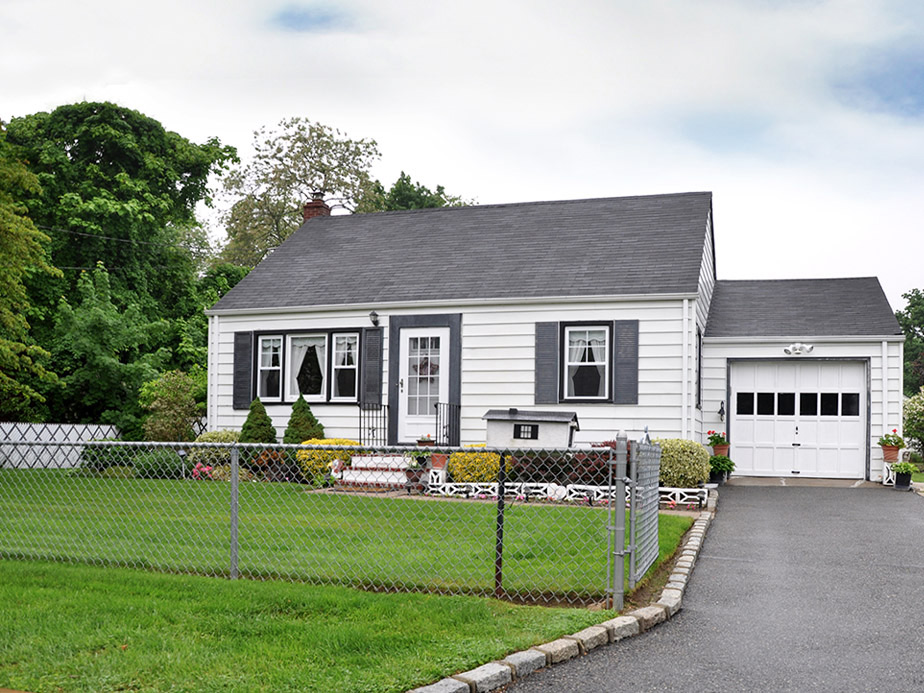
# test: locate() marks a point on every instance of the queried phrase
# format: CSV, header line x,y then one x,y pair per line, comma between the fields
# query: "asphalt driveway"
x,y
796,589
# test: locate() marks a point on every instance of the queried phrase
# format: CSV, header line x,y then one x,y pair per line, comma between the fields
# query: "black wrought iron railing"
x,y
373,423
448,423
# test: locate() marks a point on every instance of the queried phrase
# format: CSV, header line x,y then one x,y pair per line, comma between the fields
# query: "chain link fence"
x,y
530,525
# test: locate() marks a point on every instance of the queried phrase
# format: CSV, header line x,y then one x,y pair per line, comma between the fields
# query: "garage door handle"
x,y
797,445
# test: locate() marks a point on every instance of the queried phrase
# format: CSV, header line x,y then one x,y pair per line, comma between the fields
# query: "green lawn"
x,y
85,628
918,476
551,552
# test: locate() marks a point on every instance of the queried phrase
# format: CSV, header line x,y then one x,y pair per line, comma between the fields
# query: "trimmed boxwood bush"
x,y
160,463
316,465
684,463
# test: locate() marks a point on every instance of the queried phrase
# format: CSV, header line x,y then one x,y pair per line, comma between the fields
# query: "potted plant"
x,y
425,440
719,443
720,468
891,443
903,472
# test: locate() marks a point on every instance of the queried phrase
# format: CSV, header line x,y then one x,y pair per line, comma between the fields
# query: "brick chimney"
x,y
316,208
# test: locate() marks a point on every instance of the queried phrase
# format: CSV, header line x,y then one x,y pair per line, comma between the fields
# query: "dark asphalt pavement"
x,y
795,589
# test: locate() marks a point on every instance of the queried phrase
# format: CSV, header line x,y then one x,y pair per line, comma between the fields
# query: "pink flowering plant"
x,y
892,439
717,438
202,471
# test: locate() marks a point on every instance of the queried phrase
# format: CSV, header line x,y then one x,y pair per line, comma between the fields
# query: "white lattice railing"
x,y
439,486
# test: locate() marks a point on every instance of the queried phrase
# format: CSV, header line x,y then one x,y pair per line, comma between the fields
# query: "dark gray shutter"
x,y
547,358
372,366
243,370
625,362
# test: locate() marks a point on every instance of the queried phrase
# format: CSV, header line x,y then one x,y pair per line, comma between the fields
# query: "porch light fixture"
x,y
374,318
797,349
722,410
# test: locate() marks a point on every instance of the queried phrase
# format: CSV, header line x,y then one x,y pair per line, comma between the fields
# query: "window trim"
x,y
609,352
284,335
333,368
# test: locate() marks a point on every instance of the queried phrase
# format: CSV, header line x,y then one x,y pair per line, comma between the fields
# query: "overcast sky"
x,y
804,118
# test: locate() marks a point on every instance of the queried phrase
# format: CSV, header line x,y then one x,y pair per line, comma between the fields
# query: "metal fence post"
x,y
499,541
235,478
617,523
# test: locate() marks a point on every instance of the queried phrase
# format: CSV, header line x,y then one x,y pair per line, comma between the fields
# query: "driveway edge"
x,y
496,675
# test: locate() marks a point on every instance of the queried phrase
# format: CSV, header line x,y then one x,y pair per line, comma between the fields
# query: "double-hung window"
x,y
587,363
269,369
345,366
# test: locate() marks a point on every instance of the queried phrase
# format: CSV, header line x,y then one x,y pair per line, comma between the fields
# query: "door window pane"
x,y
808,404
850,404
786,403
745,403
423,375
829,403
765,403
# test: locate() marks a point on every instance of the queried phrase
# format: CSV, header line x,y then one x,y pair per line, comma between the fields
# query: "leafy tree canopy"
x,y
290,164
117,188
22,362
103,355
406,194
911,320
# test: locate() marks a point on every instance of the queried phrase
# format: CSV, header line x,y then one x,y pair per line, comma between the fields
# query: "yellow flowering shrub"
x,y
474,467
316,464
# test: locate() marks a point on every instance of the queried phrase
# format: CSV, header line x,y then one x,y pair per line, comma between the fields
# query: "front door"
x,y
423,380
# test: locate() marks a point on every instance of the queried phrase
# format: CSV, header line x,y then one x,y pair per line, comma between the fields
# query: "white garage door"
x,y
805,418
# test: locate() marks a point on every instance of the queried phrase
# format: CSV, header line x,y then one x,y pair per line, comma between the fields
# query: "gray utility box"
x,y
523,428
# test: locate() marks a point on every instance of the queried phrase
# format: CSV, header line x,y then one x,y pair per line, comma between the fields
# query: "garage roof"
x,y
797,307
600,247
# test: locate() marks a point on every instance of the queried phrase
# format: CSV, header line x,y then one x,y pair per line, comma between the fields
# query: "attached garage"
x,y
806,418
803,375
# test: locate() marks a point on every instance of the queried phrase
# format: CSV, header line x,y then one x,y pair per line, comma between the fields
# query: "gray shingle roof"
x,y
612,246
796,307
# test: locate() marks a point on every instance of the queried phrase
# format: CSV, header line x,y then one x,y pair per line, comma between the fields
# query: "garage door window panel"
x,y
786,403
808,404
745,403
829,402
850,404
765,403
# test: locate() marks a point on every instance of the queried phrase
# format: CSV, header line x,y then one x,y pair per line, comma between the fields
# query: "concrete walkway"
x,y
797,588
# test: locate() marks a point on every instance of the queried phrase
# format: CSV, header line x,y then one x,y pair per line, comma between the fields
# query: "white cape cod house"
x,y
400,324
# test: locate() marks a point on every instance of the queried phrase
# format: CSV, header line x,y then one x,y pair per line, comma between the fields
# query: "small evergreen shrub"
x,y
475,467
316,465
97,458
160,463
213,457
258,428
302,424
684,463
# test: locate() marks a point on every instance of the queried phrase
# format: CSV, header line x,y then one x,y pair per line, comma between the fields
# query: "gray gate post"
x,y
633,511
235,477
616,558
499,536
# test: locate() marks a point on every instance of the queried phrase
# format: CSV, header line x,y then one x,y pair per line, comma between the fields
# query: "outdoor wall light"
x,y
722,411
374,318
797,349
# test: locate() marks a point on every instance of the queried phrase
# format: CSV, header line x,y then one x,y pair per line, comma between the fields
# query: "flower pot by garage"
x,y
720,450
717,478
902,481
890,453
439,460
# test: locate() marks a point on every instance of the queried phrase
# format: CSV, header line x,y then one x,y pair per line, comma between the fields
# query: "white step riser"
x,y
373,477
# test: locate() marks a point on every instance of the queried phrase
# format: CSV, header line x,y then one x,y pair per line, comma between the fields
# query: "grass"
x,y
917,476
85,628
551,552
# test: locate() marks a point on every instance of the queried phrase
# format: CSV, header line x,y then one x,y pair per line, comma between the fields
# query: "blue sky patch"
x,y
890,80
725,132
308,19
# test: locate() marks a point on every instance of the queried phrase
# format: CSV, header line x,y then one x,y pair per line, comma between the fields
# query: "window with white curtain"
x,y
345,367
587,362
269,369
306,366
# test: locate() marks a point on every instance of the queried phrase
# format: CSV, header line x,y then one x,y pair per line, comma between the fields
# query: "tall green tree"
x,y
290,164
406,194
117,188
911,320
103,354
23,364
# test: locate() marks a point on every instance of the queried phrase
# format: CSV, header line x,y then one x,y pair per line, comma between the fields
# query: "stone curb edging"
x,y
490,677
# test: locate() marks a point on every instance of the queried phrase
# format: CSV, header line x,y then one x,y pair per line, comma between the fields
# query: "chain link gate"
x,y
538,526
644,503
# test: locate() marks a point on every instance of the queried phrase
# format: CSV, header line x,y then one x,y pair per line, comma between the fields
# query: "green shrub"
x,y
302,424
684,463
173,408
721,463
258,428
118,472
213,457
316,464
160,463
538,467
913,426
475,467
97,458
